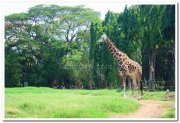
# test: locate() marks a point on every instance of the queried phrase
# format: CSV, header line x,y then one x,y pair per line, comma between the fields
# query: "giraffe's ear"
x,y
104,36
100,40
104,33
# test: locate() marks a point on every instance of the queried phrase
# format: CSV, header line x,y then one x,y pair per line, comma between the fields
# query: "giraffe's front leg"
x,y
124,86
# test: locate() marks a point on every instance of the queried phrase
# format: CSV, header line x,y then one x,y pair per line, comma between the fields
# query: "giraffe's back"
x,y
130,68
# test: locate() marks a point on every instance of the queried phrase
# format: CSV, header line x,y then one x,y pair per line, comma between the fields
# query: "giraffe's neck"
x,y
117,54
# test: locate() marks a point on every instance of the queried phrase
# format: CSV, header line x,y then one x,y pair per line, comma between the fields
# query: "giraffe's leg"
x,y
124,86
139,90
133,86
139,86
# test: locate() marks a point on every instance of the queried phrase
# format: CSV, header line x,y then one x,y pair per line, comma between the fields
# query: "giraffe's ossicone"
x,y
126,66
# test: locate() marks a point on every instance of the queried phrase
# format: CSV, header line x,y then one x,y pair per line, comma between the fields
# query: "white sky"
x,y
102,7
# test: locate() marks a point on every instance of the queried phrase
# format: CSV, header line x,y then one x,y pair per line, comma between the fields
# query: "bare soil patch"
x,y
148,109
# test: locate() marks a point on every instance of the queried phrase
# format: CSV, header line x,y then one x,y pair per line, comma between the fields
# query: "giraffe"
x,y
126,66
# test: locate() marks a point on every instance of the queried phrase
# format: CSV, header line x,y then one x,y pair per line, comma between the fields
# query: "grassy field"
x,y
33,102
161,95
170,113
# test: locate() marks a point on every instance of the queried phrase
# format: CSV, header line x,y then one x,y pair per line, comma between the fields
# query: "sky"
x,y
102,7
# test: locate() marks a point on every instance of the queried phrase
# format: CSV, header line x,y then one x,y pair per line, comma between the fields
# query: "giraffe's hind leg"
x,y
133,86
139,91
139,86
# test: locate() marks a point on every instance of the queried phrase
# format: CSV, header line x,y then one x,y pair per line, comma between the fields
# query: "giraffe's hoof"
x,y
125,96
139,97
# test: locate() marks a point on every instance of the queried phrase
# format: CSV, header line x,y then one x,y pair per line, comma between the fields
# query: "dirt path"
x,y
148,109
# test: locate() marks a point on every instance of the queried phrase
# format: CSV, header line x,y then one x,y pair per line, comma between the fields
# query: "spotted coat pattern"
x,y
126,67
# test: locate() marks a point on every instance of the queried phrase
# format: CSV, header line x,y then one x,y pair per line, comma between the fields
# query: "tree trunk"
x,y
152,56
152,59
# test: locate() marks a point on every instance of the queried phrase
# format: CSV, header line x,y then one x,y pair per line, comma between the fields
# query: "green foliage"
x,y
52,43
17,17
156,52
12,70
31,102
104,66
46,39
131,33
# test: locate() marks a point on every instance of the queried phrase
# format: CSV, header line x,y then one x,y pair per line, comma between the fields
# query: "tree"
x,y
131,32
166,53
152,18
52,43
44,37
95,31
12,70
104,66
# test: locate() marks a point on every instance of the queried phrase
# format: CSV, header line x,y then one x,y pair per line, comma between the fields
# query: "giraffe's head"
x,y
103,38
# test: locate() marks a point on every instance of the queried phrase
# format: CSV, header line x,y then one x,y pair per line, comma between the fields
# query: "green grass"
x,y
161,95
33,102
170,112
